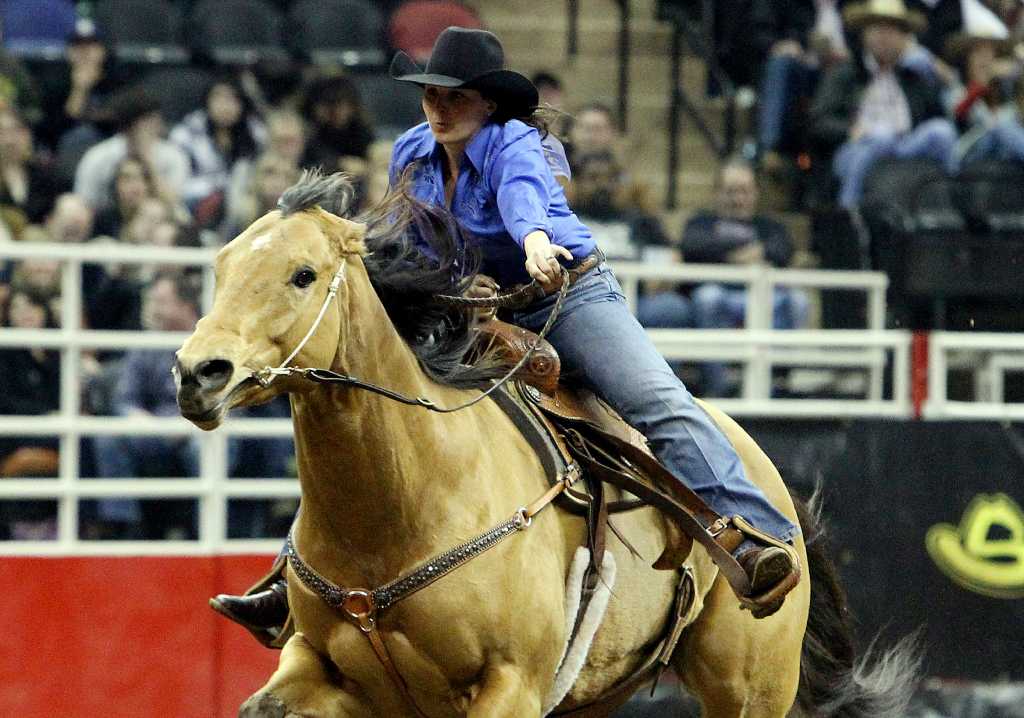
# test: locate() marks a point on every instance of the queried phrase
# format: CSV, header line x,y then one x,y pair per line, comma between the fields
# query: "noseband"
x,y
267,375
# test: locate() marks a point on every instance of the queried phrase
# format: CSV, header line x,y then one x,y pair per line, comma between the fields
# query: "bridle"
x,y
516,297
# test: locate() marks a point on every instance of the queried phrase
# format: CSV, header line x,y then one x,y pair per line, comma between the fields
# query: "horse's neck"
x,y
378,475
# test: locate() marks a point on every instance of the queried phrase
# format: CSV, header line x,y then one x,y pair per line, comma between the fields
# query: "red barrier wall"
x,y
126,637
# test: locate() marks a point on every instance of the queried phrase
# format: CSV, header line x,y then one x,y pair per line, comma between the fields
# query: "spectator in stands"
x,y
32,388
874,107
286,139
151,212
800,38
216,137
549,89
286,136
978,100
990,101
114,292
132,184
70,221
146,388
33,373
625,230
339,129
737,234
18,91
27,189
594,129
1005,139
83,87
271,176
552,97
140,134
39,275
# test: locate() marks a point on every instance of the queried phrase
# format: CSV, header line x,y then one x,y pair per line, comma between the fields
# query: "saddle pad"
x,y
575,653
703,573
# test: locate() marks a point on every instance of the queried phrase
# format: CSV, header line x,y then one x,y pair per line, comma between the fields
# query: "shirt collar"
x,y
874,69
476,149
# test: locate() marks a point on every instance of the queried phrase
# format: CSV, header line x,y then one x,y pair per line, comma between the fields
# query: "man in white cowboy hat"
x,y
981,49
876,106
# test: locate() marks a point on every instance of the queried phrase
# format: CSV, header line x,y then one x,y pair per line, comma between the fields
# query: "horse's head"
x,y
271,283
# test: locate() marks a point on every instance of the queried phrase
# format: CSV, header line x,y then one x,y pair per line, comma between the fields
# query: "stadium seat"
x,y
179,89
393,106
35,28
415,25
911,195
989,195
236,32
343,32
138,22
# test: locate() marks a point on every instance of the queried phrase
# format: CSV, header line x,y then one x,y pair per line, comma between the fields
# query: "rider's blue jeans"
x,y
602,344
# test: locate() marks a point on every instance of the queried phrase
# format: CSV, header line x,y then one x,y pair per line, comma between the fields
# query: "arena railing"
x,y
759,349
986,358
757,346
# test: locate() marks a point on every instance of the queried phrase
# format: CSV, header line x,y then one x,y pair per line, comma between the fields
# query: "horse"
x,y
385,486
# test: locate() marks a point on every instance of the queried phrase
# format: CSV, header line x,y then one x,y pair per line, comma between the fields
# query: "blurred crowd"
x,y
89,154
842,84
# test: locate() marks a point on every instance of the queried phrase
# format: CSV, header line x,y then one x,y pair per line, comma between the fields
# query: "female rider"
x,y
481,156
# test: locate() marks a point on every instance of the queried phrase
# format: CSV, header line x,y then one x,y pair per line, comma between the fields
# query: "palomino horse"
x,y
386,486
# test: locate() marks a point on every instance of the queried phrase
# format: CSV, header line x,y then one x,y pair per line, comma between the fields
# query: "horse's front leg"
x,y
505,693
303,685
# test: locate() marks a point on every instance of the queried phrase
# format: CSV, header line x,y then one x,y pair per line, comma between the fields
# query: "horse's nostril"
x,y
213,374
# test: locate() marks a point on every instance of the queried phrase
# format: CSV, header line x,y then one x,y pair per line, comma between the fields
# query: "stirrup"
x,y
770,601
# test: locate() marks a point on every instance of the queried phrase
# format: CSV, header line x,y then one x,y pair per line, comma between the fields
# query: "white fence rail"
x,y
988,357
757,347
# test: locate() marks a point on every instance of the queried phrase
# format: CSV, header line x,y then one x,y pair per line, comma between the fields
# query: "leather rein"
x,y
515,298
362,606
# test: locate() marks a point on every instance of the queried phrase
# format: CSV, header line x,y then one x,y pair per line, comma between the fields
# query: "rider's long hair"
x,y
417,253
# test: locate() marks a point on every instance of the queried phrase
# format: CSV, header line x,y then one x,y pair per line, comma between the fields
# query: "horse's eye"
x,y
303,277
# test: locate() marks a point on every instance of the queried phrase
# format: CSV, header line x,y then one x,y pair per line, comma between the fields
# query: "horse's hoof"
x,y
263,705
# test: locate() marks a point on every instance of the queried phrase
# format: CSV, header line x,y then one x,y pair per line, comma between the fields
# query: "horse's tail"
x,y
834,680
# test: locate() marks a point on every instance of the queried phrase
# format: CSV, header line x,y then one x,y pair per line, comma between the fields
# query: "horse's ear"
x,y
346,235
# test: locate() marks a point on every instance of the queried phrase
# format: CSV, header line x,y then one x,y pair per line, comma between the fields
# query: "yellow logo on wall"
x,y
978,561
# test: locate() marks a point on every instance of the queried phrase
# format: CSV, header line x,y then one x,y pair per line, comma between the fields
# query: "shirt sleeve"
x,y
520,176
554,153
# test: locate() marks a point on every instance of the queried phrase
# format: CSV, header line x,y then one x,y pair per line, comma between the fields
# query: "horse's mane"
x,y
407,276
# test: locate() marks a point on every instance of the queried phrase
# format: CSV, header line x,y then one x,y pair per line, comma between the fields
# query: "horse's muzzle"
x,y
199,388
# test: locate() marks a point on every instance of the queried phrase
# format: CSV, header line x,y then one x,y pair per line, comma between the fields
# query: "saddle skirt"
x,y
542,372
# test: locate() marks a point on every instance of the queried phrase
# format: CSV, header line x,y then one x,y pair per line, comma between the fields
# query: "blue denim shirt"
x,y
505,190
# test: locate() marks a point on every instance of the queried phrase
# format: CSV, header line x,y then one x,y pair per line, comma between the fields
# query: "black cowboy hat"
x,y
475,60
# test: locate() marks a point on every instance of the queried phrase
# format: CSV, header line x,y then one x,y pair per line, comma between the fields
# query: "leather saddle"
x,y
582,430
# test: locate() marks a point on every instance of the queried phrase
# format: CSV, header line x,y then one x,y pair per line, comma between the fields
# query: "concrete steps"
x,y
534,35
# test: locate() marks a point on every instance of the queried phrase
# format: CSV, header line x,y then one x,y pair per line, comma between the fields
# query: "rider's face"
x,y
455,114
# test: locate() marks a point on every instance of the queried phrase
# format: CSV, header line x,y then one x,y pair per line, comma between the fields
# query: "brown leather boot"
x,y
262,613
772,573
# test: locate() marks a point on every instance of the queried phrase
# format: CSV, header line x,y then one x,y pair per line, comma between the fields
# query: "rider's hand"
x,y
483,287
542,259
